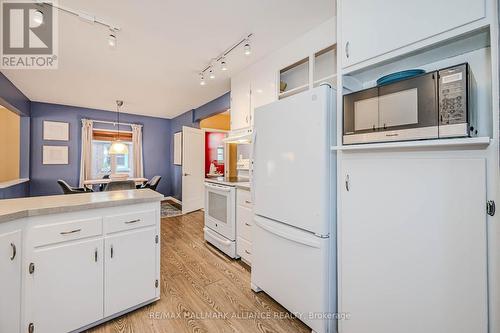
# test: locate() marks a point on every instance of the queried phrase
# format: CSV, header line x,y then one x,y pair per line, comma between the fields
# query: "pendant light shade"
x,y
117,147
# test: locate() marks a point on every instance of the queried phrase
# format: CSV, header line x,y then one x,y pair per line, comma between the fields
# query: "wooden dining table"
x,y
91,182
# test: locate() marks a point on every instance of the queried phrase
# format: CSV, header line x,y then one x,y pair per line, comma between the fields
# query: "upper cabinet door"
x,y
10,281
374,27
240,102
263,88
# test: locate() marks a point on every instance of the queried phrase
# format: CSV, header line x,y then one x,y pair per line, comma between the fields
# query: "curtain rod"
x,y
114,123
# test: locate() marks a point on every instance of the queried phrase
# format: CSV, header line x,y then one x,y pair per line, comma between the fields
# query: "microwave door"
x,y
408,109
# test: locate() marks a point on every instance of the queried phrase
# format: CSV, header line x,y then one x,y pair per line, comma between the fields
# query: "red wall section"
x,y
212,141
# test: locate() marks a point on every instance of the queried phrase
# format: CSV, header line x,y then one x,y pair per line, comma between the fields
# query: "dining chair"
x,y
101,186
67,189
120,185
152,183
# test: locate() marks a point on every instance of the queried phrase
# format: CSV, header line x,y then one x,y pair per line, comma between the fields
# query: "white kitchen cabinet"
x,y
67,286
10,281
412,245
130,265
263,87
244,225
240,102
370,28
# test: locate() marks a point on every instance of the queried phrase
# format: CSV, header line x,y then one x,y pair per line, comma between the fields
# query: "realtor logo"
x,y
28,35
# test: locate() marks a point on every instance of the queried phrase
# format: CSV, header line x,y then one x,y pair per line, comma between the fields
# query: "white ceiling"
x,y
161,48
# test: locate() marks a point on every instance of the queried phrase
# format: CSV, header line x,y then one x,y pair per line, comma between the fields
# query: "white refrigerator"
x,y
293,189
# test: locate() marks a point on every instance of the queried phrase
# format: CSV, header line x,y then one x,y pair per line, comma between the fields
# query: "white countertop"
x,y
14,182
12,209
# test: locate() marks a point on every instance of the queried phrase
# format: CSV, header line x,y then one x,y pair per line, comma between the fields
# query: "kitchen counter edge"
x,y
13,209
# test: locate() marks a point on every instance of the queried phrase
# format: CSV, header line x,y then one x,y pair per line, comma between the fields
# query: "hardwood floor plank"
x,y
202,290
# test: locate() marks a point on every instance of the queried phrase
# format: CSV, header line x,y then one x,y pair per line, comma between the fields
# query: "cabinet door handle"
x,y
247,252
95,255
248,224
133,221
70,232
112,251
248,201
347,185
14,251
347,49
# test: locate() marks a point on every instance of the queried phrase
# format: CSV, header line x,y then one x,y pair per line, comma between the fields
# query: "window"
x,y
104,164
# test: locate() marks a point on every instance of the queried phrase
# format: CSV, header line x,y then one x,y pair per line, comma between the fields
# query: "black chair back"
x,y
152,183
67,189
120,185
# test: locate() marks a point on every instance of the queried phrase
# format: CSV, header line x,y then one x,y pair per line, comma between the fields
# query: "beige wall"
x,y
9,145
220,121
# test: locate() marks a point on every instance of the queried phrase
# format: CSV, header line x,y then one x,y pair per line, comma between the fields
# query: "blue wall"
x,y
192,119
156,146
13,99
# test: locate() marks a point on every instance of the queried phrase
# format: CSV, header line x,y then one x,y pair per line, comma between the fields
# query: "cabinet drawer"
x,y
245,250
245,221
243,198
66,231
121,222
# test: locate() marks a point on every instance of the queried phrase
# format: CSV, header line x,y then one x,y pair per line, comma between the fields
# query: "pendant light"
x,y
118,147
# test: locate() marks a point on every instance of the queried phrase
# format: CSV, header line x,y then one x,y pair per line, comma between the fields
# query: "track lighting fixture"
x,y
211,74
221,59
247,48
37,17
223,65
112,39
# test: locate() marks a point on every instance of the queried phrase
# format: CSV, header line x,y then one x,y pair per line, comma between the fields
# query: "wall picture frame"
x,y
178,148
55,155
55,131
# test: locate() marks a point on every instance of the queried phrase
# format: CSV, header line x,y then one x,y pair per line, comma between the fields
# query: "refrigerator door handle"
x,y
288,235
252,173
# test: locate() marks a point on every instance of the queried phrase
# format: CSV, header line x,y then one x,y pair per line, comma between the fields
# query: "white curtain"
x,y
86,158
137,147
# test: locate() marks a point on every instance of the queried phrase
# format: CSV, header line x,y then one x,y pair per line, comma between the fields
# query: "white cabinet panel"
x,y
412,244
263,85
67,286
10,281
240,102
373,27
130,269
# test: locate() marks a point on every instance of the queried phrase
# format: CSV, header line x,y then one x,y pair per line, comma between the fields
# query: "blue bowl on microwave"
x,y
398,76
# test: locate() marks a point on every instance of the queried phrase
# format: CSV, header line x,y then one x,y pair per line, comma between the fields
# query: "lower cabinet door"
x,y
10,281
67,286
130,269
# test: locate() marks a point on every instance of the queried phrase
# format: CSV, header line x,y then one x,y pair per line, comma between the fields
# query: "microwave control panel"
x,y
453,95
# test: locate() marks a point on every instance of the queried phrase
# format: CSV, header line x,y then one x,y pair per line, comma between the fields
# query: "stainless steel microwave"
x,y
428,106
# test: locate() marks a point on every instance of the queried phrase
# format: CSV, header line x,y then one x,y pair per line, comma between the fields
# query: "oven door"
x,y
404,110
220,209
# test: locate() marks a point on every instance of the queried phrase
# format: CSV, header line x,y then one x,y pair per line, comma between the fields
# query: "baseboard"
x,y
173,199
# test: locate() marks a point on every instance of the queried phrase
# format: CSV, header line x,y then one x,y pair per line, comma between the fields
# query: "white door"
x,y
193,169
10,281
291,173
67,286
373,27
412,242
130,267
240,101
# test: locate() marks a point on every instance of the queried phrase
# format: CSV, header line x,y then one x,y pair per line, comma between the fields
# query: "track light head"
x,y
112,39
247,49
202,79
223,65
211,74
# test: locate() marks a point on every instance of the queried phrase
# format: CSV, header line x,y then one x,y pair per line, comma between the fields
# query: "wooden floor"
x,y
202,291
